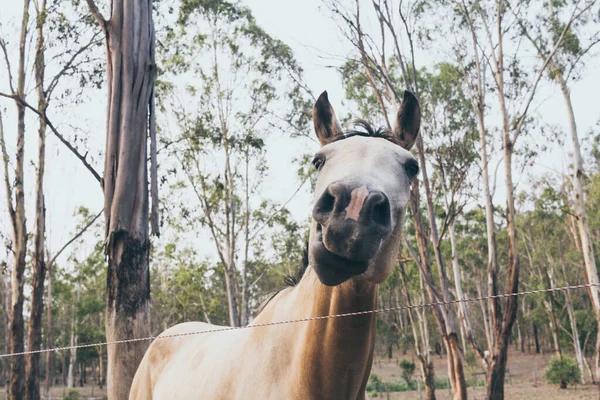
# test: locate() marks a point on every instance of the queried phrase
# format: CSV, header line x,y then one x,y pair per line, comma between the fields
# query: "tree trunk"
x,y
455,368
504,323
5,299
131,74
584,231
230,267
575,333
49,339
245,291
16,208
100,367
420,339
429,380
445,324
73,343
464,314
63,360
34,337
72,359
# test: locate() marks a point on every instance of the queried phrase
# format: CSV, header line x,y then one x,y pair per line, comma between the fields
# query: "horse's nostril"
x,y
323,207
378,205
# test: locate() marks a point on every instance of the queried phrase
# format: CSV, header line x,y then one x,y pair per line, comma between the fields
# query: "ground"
x,y
525,382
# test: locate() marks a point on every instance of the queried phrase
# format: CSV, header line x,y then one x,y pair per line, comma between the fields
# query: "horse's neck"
x,y
331,358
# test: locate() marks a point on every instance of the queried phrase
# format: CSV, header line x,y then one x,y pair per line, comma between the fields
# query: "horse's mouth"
x,y
331,268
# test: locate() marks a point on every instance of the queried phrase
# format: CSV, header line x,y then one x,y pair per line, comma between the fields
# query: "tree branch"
x,y
43,115
74,238
68,65
278,210
10,78
97,15
518,122
9,201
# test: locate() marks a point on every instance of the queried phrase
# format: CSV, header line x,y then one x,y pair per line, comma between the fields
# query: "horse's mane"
x,y
367,130
289,280
293,280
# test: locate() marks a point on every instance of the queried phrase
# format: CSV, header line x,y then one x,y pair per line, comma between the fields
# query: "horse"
x,y
362,190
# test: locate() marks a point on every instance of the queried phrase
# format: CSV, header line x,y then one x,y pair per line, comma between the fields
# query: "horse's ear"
x,y
327,126
408,121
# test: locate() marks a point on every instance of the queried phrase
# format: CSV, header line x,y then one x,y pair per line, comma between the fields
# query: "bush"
x,y
377,385
470,358
563,371
408,369
72,394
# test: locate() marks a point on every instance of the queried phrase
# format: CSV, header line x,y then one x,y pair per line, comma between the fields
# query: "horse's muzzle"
x,y
351,224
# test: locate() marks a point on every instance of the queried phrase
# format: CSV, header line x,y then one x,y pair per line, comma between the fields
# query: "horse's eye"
x,y
318,162
412,169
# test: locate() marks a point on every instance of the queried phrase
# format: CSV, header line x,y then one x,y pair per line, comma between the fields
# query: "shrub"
x,y
408,369
72,394
374,386
377,385
563,371
470,358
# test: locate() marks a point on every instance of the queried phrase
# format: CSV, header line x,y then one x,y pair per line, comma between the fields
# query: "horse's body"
x,y
292,361
354,240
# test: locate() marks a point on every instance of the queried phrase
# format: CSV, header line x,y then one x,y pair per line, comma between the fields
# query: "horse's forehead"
x,y
358,148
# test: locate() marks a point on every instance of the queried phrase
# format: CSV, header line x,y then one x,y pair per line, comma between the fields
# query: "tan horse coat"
x,y
324,359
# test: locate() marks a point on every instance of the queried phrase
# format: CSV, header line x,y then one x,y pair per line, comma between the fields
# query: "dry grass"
x,y
525,382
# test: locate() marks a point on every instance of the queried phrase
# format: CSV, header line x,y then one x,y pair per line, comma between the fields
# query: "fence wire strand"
x,y
319,318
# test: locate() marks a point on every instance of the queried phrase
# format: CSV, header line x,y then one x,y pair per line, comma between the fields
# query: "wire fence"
x,y
319,318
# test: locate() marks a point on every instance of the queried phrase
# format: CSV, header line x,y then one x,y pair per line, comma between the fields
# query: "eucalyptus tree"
x,y
34,335
131,74
452,152
16,211
227,104
566,66
50,28
484,34
383,68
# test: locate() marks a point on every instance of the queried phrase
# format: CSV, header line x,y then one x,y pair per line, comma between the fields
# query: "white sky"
x,y
306,27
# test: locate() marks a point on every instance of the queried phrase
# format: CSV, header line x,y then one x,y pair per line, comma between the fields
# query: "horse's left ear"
x,y
408,121
327,126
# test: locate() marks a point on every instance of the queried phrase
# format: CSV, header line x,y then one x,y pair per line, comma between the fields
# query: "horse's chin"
x,y
331,268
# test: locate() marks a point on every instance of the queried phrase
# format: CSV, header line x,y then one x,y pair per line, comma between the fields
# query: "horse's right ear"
x,y
408,121
327,126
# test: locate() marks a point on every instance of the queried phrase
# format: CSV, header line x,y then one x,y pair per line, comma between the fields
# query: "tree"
x,y
131,73
221,149
16,211
564,65
34,335
68,62
378,73
483,25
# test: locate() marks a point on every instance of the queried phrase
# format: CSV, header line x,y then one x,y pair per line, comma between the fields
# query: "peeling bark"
x,y
131,75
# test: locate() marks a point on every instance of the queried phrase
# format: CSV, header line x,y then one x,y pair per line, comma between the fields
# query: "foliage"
x,y
72,394
563,371
408,369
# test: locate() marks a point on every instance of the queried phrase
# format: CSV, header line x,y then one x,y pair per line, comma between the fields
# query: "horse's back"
x,y
163,351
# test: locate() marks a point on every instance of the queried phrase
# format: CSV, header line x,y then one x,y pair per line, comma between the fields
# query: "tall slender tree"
x,y
16,210
378,72
34,335
485,27
131,75
564,67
